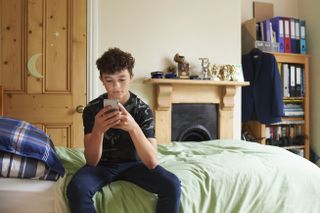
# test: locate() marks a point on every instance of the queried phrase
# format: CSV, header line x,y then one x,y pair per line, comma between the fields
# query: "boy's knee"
x,y
72,189
170,182
173,186
176,185
75,189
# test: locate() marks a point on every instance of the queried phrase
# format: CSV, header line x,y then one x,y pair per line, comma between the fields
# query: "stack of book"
x,y
299,152
293,110
284,135
293,79
288,32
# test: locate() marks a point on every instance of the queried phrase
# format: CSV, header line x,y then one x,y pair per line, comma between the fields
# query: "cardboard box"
x,y
262,11
249,39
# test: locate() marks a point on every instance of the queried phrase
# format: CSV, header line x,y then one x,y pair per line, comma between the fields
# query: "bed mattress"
x,y
216,176
25,195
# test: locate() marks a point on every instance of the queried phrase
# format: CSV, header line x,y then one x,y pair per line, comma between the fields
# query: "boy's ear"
x,y
100,78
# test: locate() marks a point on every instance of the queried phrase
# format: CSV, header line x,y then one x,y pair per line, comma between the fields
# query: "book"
x,y
285,80
298,81
292,74
303,40
293,35
278,28
297,36
287,43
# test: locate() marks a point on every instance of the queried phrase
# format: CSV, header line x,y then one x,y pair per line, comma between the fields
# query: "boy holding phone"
x,y
120,144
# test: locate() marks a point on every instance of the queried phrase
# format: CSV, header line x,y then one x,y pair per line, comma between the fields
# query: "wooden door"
x,y
43,65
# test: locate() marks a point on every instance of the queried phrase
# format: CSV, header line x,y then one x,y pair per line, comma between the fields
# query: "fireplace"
x,y
194,122
168,92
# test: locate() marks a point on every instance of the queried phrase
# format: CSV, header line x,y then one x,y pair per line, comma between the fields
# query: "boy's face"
x,y
117,85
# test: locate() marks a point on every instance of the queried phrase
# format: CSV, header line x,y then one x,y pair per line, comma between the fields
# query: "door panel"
x,y
57,66
35,29
59,133
12,45
43,69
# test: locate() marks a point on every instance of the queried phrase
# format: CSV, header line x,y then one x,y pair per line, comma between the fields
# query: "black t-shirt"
x,y
117,143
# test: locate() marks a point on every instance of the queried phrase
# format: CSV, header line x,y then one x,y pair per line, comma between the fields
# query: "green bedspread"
x,y
217,176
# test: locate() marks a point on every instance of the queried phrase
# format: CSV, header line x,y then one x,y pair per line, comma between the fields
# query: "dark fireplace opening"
x,y
194,122
195,133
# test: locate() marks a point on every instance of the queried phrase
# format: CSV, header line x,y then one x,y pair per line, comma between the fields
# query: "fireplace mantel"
x,y
169,91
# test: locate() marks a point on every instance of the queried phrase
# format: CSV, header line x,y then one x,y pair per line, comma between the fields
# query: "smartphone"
x,y
111,102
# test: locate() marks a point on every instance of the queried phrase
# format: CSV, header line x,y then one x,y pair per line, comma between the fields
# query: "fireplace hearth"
x,y
168,92
194,122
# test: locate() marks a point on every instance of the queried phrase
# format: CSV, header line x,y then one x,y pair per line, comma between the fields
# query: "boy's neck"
x,y
125,98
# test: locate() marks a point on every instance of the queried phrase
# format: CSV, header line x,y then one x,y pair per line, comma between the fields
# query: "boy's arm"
x,y
93,141
146,147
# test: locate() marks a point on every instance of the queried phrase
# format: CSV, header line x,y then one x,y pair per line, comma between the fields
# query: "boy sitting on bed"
x,y
121,144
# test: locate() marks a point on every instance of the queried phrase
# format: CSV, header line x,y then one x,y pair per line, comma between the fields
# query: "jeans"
x,y
88,180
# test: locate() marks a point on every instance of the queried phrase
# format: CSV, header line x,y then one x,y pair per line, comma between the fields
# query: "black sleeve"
x,y
146,122
88,119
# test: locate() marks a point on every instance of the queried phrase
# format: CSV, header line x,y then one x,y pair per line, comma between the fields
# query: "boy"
x,y
121,144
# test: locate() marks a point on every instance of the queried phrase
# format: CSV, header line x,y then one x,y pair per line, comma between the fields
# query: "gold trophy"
x,y
183,66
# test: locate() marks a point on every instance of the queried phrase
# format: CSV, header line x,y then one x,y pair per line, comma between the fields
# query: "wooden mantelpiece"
x,y
169,91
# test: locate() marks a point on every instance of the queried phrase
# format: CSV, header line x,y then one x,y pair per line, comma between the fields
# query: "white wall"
x,y
309,10
153,31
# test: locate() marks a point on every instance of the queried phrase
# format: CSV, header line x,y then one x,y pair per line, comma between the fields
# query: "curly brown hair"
x,y
115,60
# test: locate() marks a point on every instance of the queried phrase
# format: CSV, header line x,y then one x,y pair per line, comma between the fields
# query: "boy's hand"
x,y
127,123
106,119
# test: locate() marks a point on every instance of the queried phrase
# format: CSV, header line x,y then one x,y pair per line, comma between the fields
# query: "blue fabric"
x,y
15,166
88,180
23,139
262,99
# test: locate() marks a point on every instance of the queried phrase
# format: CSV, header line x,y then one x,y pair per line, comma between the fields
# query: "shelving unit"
x,y
259,130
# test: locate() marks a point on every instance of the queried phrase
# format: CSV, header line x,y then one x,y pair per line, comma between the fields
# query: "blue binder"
x,y
278,28
303,41
297,36
293,35
267,32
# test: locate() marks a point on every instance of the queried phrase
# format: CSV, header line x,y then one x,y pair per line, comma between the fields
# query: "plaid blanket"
x,y
23,139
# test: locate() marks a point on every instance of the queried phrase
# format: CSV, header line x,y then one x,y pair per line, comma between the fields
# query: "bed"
x,y
216,176
25,195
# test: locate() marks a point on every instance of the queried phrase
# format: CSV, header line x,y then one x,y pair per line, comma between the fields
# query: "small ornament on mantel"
x,y
183,66
205,64
172,69
226,72
214,72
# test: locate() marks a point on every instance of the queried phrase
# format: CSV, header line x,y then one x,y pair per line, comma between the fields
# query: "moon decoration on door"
x,y
32,66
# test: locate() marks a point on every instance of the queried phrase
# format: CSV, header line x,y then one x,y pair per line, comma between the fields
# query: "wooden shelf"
x,y
292,58
293,99
292,118
293,147
259,130
194,82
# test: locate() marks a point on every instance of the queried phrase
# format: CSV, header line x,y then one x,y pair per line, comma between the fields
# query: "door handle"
x,y
80,109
